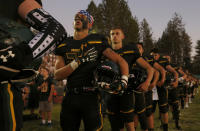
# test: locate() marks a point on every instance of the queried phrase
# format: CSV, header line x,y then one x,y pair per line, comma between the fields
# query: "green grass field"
x,y
189,120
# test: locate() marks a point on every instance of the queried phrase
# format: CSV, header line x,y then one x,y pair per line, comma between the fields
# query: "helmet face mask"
x,y
107,73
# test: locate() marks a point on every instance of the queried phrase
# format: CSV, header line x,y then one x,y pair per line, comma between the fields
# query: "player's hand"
x,y
160,83
118,87
151,86
174,84
143,87
89,56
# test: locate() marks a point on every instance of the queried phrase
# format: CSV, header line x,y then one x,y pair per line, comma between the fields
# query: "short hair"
x,y
140,43
117,27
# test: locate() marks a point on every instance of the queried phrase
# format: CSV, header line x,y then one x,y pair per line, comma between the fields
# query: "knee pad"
x,y
127,117
164,108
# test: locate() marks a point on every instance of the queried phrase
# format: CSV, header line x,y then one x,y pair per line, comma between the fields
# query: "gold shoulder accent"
x,y
149,60
61,45
94,42
128,52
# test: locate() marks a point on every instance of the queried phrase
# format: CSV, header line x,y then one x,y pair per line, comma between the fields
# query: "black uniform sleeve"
x,y
164,62
134,48
149,59
105,43
101,42
62,47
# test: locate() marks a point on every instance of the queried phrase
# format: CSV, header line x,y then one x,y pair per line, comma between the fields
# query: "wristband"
x,y
74,64
124,79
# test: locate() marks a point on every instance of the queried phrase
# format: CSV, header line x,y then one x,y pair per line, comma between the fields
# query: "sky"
x,y
156,12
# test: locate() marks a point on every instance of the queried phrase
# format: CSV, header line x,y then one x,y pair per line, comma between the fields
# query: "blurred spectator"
x,y
46,90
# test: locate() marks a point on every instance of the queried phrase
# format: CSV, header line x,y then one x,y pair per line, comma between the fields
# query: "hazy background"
x,y
156,12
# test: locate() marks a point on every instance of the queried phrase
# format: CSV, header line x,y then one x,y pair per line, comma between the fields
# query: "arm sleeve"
x,y
51,32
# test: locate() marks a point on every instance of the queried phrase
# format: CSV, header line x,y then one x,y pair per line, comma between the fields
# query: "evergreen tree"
x,y
146,36
93,10
116,13
176,42
186,50
196,61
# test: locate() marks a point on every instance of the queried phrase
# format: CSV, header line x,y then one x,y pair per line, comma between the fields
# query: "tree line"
x,y
174,40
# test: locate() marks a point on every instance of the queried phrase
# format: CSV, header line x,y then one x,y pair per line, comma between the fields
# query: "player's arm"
x,y
110,54
62,71
155,79
51,32
150,71
172,70
162,72
182,73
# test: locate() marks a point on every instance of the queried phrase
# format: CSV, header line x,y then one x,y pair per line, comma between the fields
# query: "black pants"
x,y
163,100
149,103
11,108
120,110
77,107
140,109
174,102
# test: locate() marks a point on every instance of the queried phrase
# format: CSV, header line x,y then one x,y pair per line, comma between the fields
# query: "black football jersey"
x,y
163,62
130,53
176,67
149,59
139,73
70,49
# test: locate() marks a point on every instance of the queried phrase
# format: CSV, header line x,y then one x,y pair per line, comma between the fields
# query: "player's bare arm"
x,y
110,54
162,73
172,70
150,71
62,71
155,79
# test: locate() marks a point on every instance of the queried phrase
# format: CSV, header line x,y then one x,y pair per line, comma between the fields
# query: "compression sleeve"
x,y
51,32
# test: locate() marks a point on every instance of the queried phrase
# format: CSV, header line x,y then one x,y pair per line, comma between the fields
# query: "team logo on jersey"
x,y
75,53
5,58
